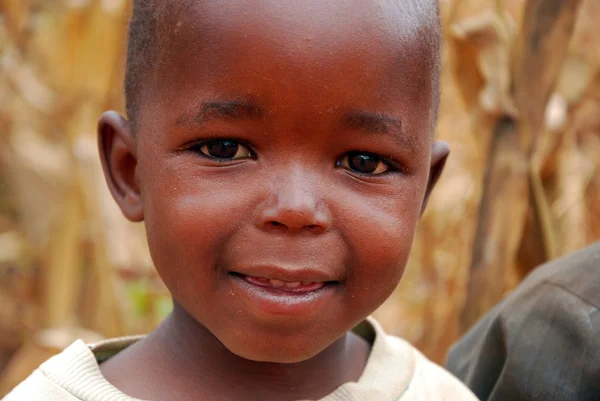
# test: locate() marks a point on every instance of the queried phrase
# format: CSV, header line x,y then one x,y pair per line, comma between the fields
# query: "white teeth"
x,y
281,283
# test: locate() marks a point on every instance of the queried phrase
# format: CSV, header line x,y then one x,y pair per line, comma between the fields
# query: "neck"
x,y
190,351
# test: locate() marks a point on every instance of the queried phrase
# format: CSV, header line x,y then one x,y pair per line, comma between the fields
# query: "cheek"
x,y
381,233
189,219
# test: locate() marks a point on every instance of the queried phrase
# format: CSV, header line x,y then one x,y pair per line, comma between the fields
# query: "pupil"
x,y
222,149
363,163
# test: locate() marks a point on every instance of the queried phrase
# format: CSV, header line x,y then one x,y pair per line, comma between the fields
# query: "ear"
x,y
116,146
439,154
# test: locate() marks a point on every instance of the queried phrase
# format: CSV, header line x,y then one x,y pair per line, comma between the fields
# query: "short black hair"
x,y
145,29
141,49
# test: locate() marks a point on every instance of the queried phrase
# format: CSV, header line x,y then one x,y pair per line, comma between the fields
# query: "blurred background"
x,y
520,109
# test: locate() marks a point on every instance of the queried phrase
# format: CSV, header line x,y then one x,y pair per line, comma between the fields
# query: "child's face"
x,y
281,162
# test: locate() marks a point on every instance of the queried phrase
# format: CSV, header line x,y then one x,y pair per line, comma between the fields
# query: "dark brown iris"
x,y
222,149
363,162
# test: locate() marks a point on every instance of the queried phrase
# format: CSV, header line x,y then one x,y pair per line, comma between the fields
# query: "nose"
x,y
296,207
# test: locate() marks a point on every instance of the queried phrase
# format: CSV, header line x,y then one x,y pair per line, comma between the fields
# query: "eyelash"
x,y
196,148
391,165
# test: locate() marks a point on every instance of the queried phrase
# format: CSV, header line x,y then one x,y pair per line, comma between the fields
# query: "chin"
x,y
287,350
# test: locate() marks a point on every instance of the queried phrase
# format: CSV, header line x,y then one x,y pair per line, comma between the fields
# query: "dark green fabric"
x,y
543,342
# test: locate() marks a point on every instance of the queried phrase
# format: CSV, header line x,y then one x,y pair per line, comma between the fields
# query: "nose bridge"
x,y
297,190
296,202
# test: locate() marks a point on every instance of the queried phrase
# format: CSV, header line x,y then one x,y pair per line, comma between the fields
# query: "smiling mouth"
x,y
269,291
277,285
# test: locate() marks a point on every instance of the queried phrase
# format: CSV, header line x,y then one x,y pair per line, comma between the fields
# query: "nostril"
x,y
314,228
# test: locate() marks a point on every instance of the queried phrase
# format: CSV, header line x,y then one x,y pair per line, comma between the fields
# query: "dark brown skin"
x,y
298,85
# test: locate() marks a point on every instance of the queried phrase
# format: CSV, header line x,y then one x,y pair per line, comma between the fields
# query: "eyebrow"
x,y
220,110
378,123
234,110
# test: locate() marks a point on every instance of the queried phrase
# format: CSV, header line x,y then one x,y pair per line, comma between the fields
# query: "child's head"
x,y
280,154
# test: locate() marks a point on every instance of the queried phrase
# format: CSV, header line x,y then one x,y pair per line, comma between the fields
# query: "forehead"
x,y
345,46
403,18
396,26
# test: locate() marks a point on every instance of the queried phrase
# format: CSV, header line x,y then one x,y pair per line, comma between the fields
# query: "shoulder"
x,y
578,272
545,332
431,382
551,292
38,387
396,364
72,375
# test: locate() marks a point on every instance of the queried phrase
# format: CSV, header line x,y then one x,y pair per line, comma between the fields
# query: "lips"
x,y
268,290
265,297
285,276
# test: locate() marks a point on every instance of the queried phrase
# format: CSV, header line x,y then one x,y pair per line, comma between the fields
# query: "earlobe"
x,y
439,154
116,146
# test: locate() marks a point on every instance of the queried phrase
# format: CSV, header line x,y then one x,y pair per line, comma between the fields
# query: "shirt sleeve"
x,y
542,344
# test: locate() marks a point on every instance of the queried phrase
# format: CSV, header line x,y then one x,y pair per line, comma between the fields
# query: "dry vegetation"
x,y
521,110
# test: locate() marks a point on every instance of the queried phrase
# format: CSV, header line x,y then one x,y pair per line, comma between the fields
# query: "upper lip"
x,y
287,273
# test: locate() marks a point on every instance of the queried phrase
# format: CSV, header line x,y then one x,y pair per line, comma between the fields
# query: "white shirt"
x,y
395,371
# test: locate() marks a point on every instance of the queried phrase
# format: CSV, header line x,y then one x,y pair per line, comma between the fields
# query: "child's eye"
x,y
222,149
364,163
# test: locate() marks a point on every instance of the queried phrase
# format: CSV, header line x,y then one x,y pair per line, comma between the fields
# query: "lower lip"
x,y
301,301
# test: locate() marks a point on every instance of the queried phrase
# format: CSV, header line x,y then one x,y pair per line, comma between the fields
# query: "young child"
x,y
280,154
